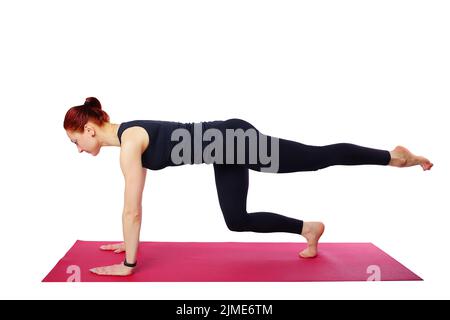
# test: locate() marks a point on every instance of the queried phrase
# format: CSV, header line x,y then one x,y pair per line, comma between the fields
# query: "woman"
x,y
152,144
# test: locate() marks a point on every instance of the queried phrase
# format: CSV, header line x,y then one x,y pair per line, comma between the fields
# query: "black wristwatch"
x,y
131,265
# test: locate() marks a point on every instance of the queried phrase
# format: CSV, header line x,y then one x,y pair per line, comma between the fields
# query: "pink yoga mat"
x,y
233,261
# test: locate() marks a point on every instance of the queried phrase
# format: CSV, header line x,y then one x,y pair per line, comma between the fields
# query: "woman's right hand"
x,y
116,247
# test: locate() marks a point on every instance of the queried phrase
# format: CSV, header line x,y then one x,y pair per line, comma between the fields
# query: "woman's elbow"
x,y
132,214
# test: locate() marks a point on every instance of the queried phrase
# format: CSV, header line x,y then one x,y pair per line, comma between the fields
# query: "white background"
x,y
374,73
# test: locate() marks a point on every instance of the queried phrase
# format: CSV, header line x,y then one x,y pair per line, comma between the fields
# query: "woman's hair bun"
x,y
92,102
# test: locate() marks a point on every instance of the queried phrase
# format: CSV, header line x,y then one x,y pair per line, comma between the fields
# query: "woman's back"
x,y
162,139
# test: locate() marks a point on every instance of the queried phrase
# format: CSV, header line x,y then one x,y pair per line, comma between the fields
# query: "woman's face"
x,y
85,141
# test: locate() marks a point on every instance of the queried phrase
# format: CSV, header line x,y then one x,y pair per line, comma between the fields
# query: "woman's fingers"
x,y
114,246
115,270
106,247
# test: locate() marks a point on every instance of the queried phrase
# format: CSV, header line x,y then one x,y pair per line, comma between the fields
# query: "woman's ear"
x,y
89,130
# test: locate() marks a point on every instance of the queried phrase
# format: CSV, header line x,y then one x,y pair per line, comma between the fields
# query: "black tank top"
x,y
158,153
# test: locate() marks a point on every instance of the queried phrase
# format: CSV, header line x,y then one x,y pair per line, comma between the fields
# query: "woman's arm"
x,y
134,175
130,162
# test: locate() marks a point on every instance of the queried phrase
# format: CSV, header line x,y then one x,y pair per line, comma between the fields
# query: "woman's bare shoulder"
x,y
135,136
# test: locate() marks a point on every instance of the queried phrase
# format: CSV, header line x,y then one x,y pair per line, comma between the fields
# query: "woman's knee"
x,y
237,225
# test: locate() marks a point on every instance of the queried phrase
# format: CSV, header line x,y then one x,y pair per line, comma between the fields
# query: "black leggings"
x,y
232,179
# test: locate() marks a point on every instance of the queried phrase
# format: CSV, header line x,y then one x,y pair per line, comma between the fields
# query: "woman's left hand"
x,y
114,270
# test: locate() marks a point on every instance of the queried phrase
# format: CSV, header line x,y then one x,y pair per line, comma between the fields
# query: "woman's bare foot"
x,y
312,231
402,157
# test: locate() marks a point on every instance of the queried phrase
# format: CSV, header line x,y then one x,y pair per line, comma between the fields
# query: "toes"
x,y
301,254
307,253
427,166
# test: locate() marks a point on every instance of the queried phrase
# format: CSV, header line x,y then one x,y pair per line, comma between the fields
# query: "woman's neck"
x,y
107,135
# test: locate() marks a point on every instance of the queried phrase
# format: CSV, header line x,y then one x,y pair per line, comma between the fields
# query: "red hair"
x,y
76,117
